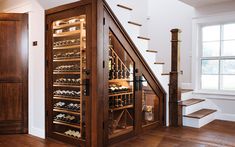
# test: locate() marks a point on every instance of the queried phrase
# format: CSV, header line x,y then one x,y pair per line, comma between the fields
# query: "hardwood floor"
x,y
216,134
28,141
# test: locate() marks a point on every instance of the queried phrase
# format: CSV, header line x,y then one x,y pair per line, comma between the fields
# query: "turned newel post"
x,y
175,113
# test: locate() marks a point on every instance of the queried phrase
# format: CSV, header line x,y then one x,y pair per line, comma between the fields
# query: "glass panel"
x,y
211,33
210,67
228,82
228,48
121,90
69,64
150,104
229,31
227,66
209,82
211,49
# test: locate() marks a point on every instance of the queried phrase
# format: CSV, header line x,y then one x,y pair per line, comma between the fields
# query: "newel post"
x,y
175,112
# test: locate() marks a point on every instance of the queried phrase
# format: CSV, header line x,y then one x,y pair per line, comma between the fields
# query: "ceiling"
x,y
201,3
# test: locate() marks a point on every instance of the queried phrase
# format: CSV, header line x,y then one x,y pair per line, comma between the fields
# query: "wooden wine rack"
x,y
81,34
119,102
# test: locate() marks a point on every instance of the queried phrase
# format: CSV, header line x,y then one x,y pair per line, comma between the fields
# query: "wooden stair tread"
x,y
200,113
144,38
135,23
190,102
159,63
124,7
152,51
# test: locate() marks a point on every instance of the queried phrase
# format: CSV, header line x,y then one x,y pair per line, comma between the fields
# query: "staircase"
x,y
194,111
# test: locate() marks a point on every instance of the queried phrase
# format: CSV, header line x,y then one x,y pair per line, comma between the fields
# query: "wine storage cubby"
x,y
69,78
121,92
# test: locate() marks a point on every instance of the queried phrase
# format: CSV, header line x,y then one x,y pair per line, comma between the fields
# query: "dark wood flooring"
x,y
215,134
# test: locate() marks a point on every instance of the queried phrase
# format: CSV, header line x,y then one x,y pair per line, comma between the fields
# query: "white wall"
x,y
36,62
166,15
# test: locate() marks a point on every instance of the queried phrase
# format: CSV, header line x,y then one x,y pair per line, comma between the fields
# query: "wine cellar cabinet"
x,y
99,90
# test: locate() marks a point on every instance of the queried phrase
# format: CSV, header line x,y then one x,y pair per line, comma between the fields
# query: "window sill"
x,y
221,95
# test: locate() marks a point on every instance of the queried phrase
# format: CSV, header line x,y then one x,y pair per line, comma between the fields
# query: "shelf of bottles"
x,y
121,94
69,63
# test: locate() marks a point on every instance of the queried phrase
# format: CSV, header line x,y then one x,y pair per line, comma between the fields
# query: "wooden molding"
x,y
165,74
159,63
152,51
124,7
135,23
144,38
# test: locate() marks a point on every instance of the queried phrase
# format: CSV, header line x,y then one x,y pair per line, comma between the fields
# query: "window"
x,y
218,57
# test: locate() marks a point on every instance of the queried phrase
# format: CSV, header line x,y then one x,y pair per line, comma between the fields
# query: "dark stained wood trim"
x,y
200,113
124,7
135,23
143,38
159,63
152,51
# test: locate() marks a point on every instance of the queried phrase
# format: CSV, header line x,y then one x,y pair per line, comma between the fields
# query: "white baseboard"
x,y
225,117
186,86
37,132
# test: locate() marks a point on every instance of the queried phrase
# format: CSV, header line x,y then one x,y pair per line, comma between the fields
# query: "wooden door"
x,y
13,73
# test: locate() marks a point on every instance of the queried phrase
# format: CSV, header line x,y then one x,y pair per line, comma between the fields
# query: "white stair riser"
x,y
198,123
186,96
193,108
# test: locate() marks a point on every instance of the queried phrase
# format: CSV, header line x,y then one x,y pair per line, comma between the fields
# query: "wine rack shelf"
x,y
120,94
66,111
66,60
66,73
120,108
67,47
66,124
66,34
82,141
66,25
68,86
67,99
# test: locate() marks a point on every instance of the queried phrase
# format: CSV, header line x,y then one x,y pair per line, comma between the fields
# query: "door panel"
x,y
150,104
13,73
11,97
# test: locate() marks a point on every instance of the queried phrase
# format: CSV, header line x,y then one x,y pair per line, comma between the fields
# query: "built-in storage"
x,y
121,89
99,89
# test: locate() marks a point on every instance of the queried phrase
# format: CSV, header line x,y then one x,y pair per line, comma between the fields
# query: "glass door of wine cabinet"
x,y
69,79
150,104
121,95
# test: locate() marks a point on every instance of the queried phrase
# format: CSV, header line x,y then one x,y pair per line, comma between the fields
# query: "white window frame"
x,y
197,25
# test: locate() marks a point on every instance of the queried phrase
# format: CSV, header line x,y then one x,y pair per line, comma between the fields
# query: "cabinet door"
x,y
121,92
150,104
68,94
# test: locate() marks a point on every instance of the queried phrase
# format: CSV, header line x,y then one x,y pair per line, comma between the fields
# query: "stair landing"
x,y
201,113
